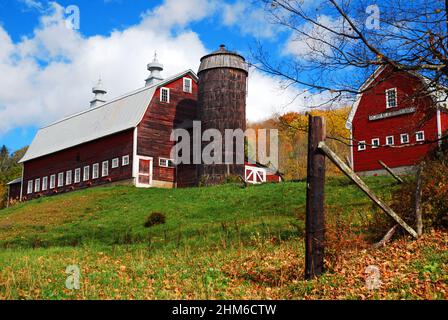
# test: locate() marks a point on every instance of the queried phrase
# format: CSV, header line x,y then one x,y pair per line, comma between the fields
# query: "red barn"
x,y
125,140
395,120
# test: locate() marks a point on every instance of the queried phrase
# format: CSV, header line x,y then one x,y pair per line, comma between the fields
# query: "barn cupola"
x,y
99,92
155,68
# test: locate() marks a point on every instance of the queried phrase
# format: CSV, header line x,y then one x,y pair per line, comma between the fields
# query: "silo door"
x,y
144,177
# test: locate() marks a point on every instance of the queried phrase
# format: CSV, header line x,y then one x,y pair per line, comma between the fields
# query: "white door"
x,y
255,175
144,174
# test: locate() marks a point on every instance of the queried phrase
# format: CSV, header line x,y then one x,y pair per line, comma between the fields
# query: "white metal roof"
x,y
120,114
15,181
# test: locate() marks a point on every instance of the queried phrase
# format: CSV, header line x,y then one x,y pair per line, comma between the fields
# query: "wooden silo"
x,y
222,105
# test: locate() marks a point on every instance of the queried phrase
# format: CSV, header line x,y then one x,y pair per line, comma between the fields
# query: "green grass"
x,y
224,242
197,216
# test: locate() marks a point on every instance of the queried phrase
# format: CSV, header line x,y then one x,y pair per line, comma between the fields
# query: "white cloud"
x,y
250,19
50,74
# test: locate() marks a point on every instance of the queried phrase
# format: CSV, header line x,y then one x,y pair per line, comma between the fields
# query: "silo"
x,y
222,105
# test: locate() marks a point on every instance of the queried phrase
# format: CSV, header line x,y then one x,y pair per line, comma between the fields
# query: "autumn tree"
x,y
335,45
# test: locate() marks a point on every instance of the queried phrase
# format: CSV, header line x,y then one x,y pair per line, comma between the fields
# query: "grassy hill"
x,y
217,242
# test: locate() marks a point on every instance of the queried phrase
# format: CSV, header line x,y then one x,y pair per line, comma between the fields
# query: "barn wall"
x,y
14,192
97,151
374,102
155,129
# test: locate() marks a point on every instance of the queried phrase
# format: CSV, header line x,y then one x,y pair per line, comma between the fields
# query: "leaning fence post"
x,y
315,199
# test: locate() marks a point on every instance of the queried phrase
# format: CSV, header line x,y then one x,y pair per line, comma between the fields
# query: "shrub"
x,y
154,219
434,202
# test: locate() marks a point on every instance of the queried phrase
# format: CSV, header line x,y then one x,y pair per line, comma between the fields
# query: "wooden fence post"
x,y
418,200
315,200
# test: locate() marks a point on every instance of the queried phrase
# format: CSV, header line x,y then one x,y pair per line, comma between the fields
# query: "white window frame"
x,y
388,106
68,177
115,163
52,181
105,168
125,160
423,136
362,145
190,81
387,141
77,175
402,136
86,173
166,164
30,187
44,183
375,146
37,185
167,94
95,171
60,181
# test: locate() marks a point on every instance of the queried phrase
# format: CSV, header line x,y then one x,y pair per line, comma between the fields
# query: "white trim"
x,y
77,170
416,136
373,143
44,185
95,171
29,187
439,127
362,145
137,160
167,162
388,106
84,178
185,80
167,94
123,162
254,173
60,183
37,185
105,168
402,136
393,141
52,181
115,163
68,174
134,156
351,149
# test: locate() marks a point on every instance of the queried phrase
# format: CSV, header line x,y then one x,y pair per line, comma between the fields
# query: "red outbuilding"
x,y
396,119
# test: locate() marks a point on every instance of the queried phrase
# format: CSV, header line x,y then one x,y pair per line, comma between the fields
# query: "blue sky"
x,y
48,70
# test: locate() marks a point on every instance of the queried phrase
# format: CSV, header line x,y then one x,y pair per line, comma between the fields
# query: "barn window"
x,y
165,95
390,141
167,163
44,183
30,187
420,136
187,85
77,175
404,138
68,178
86,173
105,169
95,171
361,145
52,181
375,143
115,163
125,160
391,98
60,179
37,185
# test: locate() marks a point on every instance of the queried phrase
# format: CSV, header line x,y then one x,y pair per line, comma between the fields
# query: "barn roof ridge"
x,y
123,96
120,114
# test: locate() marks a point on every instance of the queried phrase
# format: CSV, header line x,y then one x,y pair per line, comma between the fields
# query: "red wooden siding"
x,y
87,154
373,102
160,119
